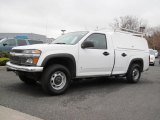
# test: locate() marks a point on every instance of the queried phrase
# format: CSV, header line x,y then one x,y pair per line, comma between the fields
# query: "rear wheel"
x,y
153,64
56,79
134,73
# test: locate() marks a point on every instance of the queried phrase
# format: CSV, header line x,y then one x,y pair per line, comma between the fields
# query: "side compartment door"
x,y
121,61
96,60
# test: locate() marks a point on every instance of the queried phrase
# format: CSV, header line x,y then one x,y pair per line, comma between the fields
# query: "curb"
x,y
10,114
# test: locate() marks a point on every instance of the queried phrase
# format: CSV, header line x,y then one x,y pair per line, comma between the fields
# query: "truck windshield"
x,y
70,38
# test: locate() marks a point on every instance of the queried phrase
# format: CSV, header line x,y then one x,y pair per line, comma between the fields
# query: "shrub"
x,y
4,55
3,61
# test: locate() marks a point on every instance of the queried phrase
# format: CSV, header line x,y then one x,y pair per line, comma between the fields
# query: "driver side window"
x,y
99,40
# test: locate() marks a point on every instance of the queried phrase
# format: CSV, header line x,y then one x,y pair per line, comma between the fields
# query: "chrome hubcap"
x,y
135,74
58,80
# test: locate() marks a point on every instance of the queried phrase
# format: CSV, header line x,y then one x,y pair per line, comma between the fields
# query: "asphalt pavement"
x,y
94,99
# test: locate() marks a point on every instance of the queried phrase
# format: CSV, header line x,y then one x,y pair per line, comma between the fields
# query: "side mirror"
x,y
87,44
4,44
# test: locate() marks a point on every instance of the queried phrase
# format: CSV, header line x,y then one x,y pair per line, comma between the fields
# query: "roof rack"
x,y
128,31
124,30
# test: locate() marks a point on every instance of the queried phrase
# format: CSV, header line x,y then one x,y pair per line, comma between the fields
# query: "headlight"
x,y
33,60
32,52
32,56
29,60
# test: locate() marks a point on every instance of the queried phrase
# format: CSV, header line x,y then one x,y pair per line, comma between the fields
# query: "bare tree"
x,y
153,37
128,22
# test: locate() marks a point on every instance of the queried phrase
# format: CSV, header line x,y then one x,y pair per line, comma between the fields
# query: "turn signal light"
x,y
35,60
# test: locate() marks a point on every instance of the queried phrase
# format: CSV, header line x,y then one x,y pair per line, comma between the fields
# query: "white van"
x,y
152,57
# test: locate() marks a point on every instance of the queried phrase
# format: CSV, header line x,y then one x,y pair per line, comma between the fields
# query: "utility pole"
x,y
63,31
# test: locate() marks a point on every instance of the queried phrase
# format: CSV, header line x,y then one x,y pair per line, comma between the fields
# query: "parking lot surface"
x,y
94,99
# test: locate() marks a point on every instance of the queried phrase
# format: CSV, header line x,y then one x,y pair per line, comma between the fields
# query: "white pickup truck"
x,y
82,54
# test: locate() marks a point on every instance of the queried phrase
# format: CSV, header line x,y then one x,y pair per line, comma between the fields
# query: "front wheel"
x,y
56,79
134,73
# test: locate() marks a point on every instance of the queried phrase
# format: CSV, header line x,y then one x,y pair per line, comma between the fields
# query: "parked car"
x,y
84,54
151,57
6,45
156,53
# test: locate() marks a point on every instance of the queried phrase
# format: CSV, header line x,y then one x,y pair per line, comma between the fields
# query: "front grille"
x,y
19,60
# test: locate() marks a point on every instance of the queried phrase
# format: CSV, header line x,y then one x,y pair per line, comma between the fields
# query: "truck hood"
x,y
44,47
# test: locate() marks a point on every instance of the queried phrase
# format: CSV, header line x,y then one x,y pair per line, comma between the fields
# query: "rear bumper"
x,y
13,67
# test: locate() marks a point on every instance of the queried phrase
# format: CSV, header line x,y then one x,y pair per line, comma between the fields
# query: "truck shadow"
x,y
97,86
89,86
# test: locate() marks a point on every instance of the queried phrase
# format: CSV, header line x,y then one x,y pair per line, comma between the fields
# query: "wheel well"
x,y
137,61
65,61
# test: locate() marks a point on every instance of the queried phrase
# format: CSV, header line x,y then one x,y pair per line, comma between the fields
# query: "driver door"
x,y
97,60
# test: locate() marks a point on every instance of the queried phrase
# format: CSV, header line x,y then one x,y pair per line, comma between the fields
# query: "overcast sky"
x,y
48,17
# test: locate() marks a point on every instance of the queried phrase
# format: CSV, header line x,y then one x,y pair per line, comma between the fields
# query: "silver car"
x,y
156,53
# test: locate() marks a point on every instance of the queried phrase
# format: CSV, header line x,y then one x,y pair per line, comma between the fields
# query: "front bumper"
x,y
13,67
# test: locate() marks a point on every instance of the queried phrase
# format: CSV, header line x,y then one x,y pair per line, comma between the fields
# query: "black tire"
x,y
26,80
153,64
134,73
56,79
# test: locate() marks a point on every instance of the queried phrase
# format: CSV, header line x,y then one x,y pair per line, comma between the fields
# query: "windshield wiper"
x,y
59,43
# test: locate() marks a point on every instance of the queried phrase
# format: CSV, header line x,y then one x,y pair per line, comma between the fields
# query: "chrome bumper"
x,y
13,67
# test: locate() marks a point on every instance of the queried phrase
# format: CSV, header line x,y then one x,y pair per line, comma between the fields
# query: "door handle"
x,y
106,53
124,54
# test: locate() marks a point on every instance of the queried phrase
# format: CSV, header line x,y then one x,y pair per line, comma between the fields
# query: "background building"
x,y
31,36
